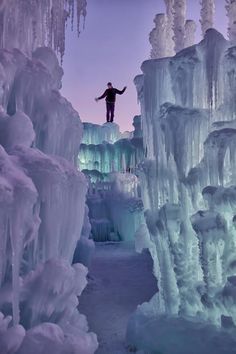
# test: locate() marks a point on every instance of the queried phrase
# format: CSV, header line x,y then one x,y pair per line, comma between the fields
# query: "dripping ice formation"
x,y
110,162
42,207
188,185
42,203
28,24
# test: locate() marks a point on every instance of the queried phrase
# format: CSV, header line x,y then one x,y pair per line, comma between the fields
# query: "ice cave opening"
x,y
117,242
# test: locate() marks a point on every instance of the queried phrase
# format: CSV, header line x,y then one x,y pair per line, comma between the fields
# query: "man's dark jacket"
x,y
110,94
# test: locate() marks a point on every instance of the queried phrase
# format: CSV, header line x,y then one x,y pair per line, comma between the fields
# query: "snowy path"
x,y
120,280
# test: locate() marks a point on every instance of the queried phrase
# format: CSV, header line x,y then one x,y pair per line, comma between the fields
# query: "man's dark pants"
x,y
110,111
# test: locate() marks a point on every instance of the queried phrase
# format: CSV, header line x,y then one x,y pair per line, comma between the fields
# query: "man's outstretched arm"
x,y
122,91
101,97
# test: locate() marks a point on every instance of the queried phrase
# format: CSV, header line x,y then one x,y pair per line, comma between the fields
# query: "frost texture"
x,y
188,185
105,150
28,24
231,13
157,37
207,15
190,31
110,160
42,207
179,24
169,27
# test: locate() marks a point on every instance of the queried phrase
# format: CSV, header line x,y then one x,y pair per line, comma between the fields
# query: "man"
x,y
110,95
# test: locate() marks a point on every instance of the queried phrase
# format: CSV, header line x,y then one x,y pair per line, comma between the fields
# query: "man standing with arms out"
x,y
110,95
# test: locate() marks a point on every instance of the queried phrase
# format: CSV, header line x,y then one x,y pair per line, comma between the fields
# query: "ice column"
x,y
169,28
231,13
207,15
190,31
157,37
179,24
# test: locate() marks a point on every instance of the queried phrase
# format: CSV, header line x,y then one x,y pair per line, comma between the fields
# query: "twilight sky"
x,y
112,47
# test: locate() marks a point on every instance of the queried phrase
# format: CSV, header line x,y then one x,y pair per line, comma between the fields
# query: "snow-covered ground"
x,y
120,280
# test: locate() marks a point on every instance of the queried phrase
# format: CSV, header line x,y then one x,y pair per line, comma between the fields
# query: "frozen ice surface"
x,y
42,207
97,134
188,190
115,208
104,149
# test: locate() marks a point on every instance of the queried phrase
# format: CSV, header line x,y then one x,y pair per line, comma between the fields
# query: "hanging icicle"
x,y
27,24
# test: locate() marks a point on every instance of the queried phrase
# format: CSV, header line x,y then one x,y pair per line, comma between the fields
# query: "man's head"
x,y
109,85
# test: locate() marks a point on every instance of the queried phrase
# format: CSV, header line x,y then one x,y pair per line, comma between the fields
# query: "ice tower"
x,y
42,194
188,184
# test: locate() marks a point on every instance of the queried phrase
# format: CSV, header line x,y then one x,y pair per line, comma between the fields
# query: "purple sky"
x,y
112,47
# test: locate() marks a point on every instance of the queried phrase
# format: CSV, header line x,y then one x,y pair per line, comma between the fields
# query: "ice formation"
x,y
105,150
188,189
179,10
110,161
231,13
30,24
157,37
169,28
207,15
190,31
42,203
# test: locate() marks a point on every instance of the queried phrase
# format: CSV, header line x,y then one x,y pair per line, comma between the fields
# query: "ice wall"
x,y
115,208
97,134
110,160
188,189
42,209
104,149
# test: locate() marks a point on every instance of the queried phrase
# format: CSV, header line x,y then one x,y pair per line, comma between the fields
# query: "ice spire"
x,y
157,37
190,31
27,24
207,15
169,27
179,24
231,13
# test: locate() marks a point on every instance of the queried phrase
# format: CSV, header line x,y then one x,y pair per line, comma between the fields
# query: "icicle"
x,y
81,11
207,15
231,13
123,162
190,31
179,24
27,24
157,37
